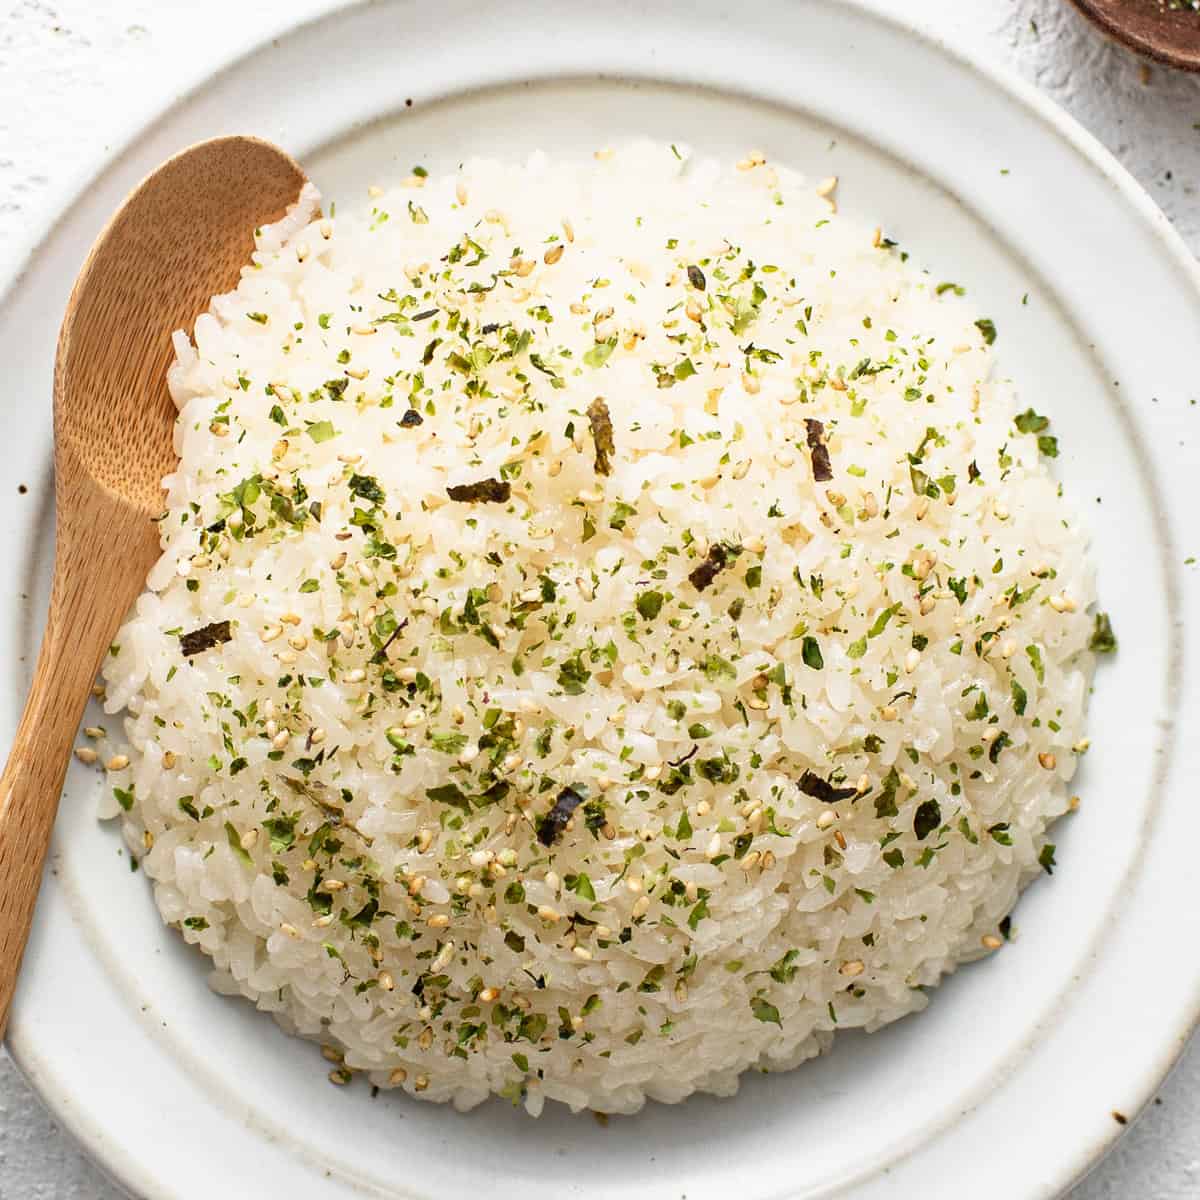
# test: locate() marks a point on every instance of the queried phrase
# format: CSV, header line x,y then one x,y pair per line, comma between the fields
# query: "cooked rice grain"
x,y
489,794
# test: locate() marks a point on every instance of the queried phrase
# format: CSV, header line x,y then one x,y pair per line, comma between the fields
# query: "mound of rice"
x,y
612,631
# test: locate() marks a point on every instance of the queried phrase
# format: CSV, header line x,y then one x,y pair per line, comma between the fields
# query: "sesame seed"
x,y
397,1077
991,941
86,754
1047,760
852,968
118,762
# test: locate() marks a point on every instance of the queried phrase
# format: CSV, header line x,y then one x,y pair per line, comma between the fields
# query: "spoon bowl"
x,y
181,237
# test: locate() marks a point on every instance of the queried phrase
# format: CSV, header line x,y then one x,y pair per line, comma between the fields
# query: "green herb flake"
x,y
235,844
1103,640
321,431
649,604
600,353
987,327
810,651
765,1011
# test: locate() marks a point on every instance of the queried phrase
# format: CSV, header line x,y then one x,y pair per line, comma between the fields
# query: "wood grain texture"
x,y
181,236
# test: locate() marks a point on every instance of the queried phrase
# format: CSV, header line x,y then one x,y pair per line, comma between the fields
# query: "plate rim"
x,y
54,1093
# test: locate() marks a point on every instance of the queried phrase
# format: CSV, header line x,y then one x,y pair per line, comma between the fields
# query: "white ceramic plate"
x,y
1008,1085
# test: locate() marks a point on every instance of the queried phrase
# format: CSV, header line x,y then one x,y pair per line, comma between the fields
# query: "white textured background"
x,y
74,75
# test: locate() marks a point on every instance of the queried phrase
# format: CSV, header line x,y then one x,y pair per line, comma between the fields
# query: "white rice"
x,y
692,920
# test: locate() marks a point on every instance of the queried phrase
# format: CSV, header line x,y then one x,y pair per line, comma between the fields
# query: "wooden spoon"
x,y
180,238
1165,31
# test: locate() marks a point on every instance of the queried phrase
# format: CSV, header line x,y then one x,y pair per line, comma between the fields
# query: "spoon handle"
x,y
37,764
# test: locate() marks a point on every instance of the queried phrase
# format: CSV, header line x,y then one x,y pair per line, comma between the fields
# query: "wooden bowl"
x,y
1168,30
